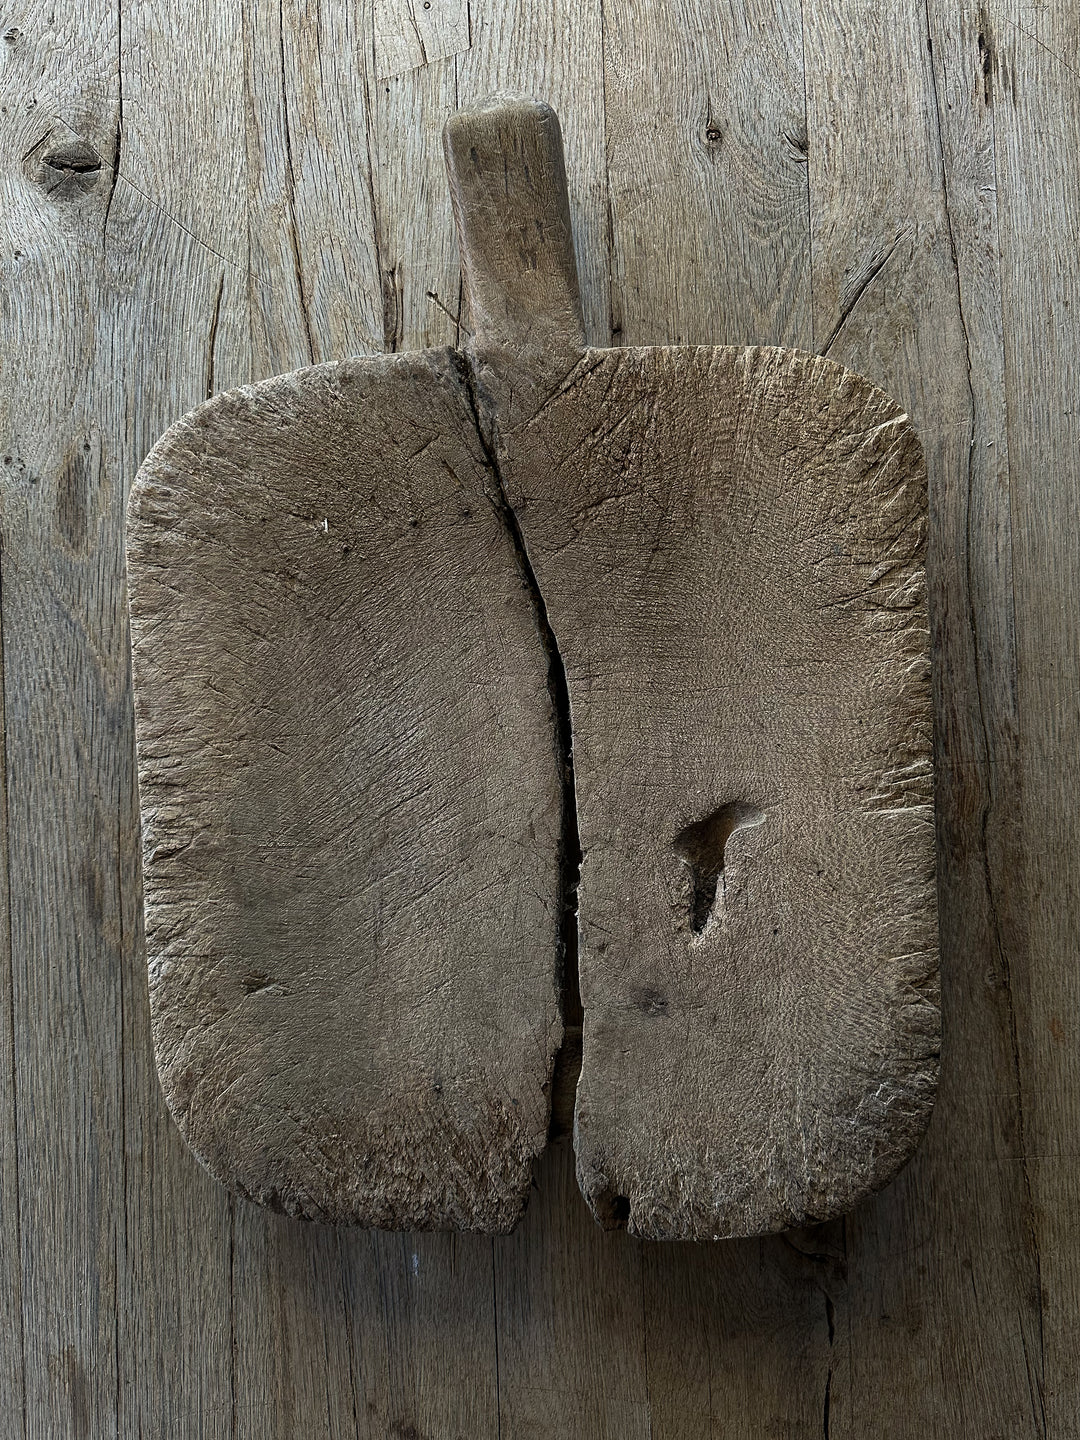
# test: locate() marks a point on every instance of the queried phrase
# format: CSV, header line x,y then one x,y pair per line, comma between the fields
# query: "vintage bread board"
x,y
372,602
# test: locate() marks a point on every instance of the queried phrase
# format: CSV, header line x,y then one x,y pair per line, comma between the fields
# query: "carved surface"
x,y
730,544
350,801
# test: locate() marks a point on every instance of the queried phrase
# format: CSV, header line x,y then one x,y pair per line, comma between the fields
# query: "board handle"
x,y
504,159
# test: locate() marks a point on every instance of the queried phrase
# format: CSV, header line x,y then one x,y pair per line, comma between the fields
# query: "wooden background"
x,y
196,193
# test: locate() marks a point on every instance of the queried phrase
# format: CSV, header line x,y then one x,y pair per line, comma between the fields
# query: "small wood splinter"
x,y
351,588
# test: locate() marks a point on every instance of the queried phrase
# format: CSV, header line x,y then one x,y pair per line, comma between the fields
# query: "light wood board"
x,y
893,185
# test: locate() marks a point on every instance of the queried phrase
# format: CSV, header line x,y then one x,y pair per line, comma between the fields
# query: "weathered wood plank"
x,y
706,160
420,287
314,290
422,1312
294,1368
65,713
1030,59
899,265
12,1363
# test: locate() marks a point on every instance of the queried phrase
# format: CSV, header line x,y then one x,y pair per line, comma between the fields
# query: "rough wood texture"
x,y
354,863
750,687
729,548
704,140
350,800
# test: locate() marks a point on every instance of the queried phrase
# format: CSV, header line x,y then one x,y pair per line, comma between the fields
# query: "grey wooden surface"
x,y
892,184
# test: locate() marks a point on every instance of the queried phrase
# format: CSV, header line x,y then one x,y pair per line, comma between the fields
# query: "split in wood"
x,y
372,602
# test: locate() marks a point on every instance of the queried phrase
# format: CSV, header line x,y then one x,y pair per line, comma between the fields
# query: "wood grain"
x,y
728,547
1030,56
350,800
931,343
12,1384
758,930
355,867
67,738
947,1306
176,1319
410,34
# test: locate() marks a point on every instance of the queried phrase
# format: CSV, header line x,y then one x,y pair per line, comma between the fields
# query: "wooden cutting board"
x,y
414,634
